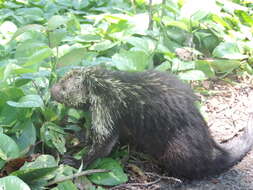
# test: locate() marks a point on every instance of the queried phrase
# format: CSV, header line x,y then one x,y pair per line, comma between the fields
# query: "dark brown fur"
x,y
155,112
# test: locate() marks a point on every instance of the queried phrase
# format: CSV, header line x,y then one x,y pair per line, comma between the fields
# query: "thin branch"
x,y
84,173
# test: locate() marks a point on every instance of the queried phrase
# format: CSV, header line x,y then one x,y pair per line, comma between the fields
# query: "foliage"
x,y
42,39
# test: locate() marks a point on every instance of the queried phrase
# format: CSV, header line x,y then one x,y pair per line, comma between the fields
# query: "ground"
x,y
226,111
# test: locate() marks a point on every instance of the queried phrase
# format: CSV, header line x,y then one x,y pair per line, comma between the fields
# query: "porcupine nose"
x,y
55,92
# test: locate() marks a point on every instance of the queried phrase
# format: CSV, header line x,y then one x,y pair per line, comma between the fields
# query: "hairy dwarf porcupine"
x,y
155,112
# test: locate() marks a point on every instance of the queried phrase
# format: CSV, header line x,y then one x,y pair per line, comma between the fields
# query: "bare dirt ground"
x,y
226,111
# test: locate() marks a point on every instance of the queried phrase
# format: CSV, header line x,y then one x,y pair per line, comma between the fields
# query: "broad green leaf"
x,y
179,65
42,168
228,50
248,68
28,101
102,46
206,41
246,17
13,183
43,161
219,20
177,35
131,60
73,57
192,75
142,44
19,71
66,185
21,81
8,149
115,177
178,24
56,21
205,67
224,66
88,38
56,36
27,137
30,175
9,115
30,15
73,24
53,136
198,15
38,56
164,66
27,49
26,28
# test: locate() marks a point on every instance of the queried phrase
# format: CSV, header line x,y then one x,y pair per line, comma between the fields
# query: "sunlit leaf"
x,y
115,177
192,75
28,101
13,182
228,50
8,149
56,21
131,60
53,136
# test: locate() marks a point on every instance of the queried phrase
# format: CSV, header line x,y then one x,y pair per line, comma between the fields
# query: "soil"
x,y
226,109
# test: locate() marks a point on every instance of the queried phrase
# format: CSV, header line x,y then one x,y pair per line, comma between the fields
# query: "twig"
x,y
126,185
164,177
136,184
87,172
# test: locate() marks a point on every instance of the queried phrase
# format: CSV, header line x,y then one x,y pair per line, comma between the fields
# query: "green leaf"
x,y
39,56
192,75
248,68
28,101
26,28
66,185
27,138
56,21
198,15
179,65
164,66
56,36
131,60
30,15
8,149
178,24
115,177
53,136
205,67
73,57
88,38
43,161
205,41
142,44
224,66
102,46
27,49
13,183
228,50
42,168
21,81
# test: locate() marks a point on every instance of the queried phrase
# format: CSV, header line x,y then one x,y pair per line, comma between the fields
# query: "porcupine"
x,y
153,111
